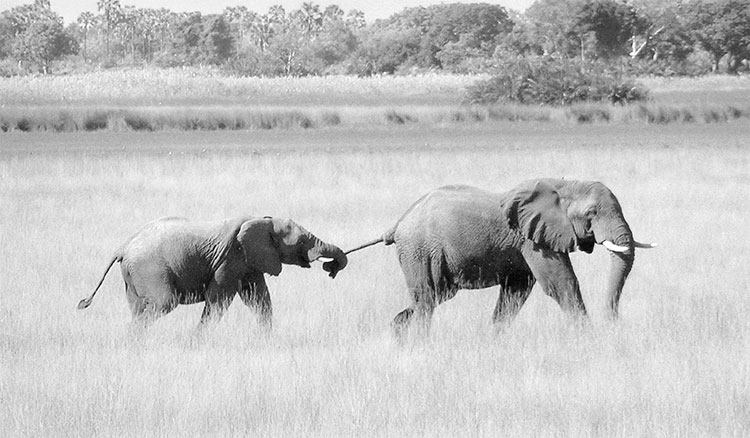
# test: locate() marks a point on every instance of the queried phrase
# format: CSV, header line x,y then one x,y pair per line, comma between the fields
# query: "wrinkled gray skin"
x,y
460,237
175,261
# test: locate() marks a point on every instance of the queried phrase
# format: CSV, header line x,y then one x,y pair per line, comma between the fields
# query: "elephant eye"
x,y
590,213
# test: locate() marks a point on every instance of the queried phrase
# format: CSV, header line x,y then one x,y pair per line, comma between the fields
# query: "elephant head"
x,y
567,215
269,242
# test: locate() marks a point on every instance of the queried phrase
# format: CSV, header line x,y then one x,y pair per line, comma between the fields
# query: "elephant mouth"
x,y
587,245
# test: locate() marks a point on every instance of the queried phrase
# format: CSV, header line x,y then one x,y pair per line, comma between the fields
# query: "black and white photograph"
x,y
414,218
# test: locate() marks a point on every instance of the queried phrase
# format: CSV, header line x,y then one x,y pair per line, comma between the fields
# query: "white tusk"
x,y
645,245
324,259
615,248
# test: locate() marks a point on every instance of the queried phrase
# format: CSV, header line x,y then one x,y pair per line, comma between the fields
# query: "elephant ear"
x,y
257,238
537,214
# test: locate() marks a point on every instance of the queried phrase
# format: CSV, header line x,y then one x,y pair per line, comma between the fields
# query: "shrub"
x,y
96,121
137,122
398,118
330,118
588,114
552,81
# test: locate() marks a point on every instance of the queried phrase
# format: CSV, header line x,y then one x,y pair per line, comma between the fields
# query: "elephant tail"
x,y
386,238
84,303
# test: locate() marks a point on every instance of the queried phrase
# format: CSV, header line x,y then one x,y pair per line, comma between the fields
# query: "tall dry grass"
x,y
676,364
200,86
205,99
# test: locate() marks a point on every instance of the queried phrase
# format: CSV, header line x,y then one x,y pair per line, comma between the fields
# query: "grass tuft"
x,y
399,118
96,121
588,114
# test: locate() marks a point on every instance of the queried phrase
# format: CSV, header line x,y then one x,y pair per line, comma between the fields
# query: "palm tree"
x,y
312,18
86,20
110,10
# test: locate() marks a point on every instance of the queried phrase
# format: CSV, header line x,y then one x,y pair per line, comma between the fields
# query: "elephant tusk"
x,y
323,259
615,248
645,245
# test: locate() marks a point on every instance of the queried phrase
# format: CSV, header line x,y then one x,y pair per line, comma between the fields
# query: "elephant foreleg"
x,y
218,298
254,294
513,294
555,274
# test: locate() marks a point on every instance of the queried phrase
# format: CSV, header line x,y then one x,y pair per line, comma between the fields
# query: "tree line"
x,y
663,37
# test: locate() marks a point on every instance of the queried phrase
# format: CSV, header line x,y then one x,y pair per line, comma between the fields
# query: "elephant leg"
x,y
415,319
428,287
149,294
513,294
218,298
555,274
254,293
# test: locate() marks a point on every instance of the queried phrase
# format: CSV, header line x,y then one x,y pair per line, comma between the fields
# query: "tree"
x,y
663,37
86,20
336,40
612,23
218,44
722,28
240,19
355,19
553,28
111,15
385,50
310,18
38,35
43,41
474,27
6,36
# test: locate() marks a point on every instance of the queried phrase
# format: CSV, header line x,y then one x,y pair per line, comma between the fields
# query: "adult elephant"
x,y
175,261
460,237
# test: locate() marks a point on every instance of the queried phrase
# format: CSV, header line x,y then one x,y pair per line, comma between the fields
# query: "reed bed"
x,y
187,118
206,99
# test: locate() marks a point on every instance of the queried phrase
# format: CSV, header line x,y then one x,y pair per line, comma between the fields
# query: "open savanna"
x,y
676,363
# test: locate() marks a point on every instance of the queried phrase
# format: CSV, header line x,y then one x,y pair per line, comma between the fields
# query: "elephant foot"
x,y
400,323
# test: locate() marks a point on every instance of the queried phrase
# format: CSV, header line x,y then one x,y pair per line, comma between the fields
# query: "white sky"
x,y
373,9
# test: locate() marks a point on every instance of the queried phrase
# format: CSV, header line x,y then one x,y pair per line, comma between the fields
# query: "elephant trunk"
x,y
620,266
323,249
621,262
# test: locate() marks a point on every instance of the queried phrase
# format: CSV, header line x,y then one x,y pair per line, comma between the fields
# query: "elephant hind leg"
x,y
401,322
428,287
149,296
513,294
413,321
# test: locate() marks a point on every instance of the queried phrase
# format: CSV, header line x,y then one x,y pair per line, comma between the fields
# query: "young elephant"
x,y
460,237
175,261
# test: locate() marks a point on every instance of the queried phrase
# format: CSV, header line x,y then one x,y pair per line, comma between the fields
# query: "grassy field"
x,y
204,99
676,364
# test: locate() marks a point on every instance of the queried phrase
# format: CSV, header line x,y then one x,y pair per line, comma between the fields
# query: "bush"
x,y
398,118
588,114
552,81
96,121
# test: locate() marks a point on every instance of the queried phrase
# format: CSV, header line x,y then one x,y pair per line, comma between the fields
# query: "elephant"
x,y
460,237
174,261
